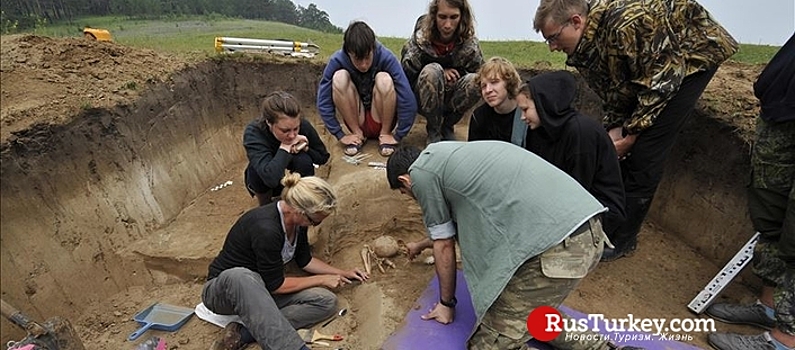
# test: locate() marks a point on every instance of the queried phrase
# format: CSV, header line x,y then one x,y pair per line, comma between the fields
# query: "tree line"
x,y
24,14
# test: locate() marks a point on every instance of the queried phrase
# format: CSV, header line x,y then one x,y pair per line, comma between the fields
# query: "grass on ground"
x,y
196,35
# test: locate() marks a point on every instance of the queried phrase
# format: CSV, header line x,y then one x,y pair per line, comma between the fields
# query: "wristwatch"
x,y
450,303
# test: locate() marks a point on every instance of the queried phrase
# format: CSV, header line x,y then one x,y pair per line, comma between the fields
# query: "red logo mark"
x,y
544,323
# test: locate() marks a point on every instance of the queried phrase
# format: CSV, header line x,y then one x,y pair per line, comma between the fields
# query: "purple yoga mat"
x,y
419,334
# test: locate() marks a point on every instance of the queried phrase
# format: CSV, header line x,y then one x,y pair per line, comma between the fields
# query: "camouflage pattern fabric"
x,y
773,157
772,204
486,338
773,188
418,52
543,280
784,299
425,70
767,264
437,99
635,54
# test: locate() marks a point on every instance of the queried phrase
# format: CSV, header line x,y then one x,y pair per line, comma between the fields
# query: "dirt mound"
x,y
49,80
729,97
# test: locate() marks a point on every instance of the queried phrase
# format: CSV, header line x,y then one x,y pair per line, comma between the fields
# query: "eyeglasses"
x,y
554,37
311,221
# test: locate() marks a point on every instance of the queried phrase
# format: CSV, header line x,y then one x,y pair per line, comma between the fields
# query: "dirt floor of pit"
x,y
50,80
659,280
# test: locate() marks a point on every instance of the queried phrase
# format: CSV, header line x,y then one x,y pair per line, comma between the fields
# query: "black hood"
x,y
553,94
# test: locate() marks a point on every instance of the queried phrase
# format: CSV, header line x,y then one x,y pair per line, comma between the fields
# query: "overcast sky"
x,y
769,22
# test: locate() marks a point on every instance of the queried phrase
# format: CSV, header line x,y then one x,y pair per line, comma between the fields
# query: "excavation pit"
x,y
107,201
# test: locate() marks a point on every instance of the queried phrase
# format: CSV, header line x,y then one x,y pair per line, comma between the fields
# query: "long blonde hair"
x,y
309,194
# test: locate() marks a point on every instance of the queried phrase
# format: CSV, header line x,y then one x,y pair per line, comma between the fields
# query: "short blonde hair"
x,y
501,68
558,11
309,195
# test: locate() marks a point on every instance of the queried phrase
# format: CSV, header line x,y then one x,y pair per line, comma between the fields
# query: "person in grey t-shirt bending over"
x,y
528,234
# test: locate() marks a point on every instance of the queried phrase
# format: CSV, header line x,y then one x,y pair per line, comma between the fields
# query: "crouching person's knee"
x,y
341,79
240,277
384,85
325,300
302,164
432,72
313,305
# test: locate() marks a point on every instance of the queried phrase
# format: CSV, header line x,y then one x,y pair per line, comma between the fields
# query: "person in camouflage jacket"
x,y
771,205
441,60
649,61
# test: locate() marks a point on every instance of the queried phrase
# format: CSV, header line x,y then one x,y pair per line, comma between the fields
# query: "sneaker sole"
x,y
713,345
768,328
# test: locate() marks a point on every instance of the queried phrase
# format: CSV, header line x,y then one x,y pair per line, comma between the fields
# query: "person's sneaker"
x,y
230,339
753,314
732,341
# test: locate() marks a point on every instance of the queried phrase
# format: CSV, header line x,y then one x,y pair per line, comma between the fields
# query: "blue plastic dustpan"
x,y
161,317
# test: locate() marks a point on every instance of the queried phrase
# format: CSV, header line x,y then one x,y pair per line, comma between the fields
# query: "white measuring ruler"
x,y
724,277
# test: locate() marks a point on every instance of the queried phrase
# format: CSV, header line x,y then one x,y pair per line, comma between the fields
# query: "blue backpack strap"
x,y
519,131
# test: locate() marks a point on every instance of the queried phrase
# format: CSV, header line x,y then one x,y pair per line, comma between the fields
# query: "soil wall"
x,y
75,195
702,197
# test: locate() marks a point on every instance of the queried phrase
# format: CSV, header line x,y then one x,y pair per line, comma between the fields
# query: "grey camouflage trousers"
x,y
545,279
442,105
771,203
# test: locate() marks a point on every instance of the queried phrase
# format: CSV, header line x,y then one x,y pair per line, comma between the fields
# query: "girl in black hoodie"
x,y
539,116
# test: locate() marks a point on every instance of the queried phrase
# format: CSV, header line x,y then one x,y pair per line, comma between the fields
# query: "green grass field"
x,y
195,36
